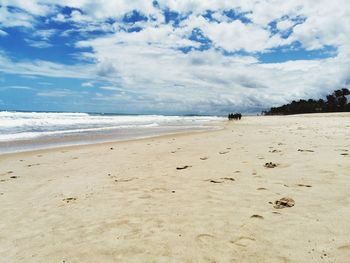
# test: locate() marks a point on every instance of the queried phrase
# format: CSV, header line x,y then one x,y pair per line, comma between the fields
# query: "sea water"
x,y
20,131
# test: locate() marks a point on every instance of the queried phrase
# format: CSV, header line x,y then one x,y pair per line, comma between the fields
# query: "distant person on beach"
x,y
236,116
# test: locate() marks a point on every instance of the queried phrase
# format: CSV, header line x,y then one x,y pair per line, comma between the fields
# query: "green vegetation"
x,y
335,102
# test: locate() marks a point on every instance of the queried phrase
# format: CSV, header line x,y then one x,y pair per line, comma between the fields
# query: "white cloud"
x,y
45,34
210,81
30,6
149,65
88,84
237,36
321,27
44,83
284,25
55,93
16,88
31,69
3,33
38,43
14,18
60,18
110,88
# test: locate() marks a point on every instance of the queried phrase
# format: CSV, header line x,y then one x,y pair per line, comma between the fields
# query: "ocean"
x,y
23,131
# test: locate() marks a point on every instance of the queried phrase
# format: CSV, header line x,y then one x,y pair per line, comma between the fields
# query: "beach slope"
x,y
197,197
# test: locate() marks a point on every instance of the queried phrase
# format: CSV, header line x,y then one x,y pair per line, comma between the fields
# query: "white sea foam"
x,y
16,126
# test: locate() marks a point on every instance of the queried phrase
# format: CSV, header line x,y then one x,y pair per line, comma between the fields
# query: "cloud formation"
x,y
190,55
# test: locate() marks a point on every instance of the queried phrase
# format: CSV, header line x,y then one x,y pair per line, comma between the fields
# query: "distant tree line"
x,y
335,102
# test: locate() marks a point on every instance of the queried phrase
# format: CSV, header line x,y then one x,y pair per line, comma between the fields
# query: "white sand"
x,y
131,204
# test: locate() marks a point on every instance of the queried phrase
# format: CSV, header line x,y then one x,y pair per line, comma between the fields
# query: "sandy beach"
x,y
195,197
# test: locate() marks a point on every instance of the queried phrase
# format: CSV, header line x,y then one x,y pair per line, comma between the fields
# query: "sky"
x,y
170,56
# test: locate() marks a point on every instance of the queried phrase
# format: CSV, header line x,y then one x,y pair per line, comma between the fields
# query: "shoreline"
x,y
37,144
32,130
189,197
101,143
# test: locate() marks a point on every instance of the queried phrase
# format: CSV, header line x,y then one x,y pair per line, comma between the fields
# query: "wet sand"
x,y
89,137
264,189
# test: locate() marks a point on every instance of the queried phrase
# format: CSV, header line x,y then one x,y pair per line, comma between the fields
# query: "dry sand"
x,y
131,203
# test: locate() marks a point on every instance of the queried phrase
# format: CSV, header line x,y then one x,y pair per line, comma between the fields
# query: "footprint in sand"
x,y
261,188
214,181
35,164
270,165
228,178
183,167
69,199
284,202
224,152
124,180
159,189
242,241
221,180
257,216
6,173
304,185
345,247
204,239
277,213
275,151
341,150
146,196
303,150
204,158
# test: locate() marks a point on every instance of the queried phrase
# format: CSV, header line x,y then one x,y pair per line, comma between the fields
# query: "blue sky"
x,y
170,57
